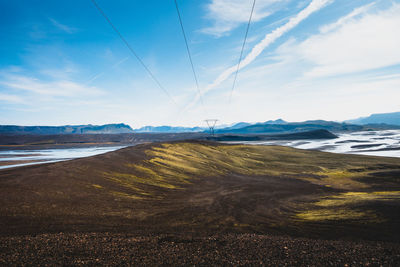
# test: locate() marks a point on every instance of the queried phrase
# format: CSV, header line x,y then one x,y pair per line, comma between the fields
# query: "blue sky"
x,y
61,63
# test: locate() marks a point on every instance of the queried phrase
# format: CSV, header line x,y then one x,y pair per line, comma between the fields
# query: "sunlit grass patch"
x,y
174,165
149,170
336,214
344,206
125,195
340,179
358,197
129,180
195,159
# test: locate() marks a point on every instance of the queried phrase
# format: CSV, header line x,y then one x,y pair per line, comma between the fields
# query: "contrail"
x,y
343,20
103,72
269,38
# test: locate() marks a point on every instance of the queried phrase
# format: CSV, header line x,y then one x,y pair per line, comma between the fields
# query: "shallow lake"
x,y
374,143
17,158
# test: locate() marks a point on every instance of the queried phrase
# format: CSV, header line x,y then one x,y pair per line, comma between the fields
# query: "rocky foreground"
x,y
109,249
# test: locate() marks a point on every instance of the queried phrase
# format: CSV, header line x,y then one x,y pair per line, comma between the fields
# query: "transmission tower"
x,y
211,125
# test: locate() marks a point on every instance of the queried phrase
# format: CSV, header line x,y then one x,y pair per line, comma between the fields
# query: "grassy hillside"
x,y
201,187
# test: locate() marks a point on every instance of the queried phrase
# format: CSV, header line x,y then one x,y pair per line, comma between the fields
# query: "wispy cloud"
x,y
350,62
353,44
271,92
269,38
229,14
62,88
11,98
62,27
346,19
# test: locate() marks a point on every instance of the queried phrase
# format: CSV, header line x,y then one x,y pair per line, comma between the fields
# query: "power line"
x,y
189,54
241,52
133,52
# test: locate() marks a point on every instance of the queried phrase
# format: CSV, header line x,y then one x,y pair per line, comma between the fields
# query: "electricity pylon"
x,y
211,125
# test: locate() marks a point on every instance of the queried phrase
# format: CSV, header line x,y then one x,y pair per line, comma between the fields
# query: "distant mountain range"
x,y
384,121
172,129
169,129
68,129
291,127
281,126
387,118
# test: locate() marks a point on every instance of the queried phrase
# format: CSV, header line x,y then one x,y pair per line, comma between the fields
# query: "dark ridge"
x,y
366,146
67,129
315,134
292,127
41,141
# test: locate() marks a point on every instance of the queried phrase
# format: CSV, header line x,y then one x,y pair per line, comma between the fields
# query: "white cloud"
x,y
337,98
229,14
348,18
279,88
64,88
353,44
269,38
11,98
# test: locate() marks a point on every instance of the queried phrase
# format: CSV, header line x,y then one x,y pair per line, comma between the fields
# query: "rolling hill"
x,y
181,186
196,202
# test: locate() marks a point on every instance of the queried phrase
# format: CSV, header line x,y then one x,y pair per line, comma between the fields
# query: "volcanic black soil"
x,y
203,203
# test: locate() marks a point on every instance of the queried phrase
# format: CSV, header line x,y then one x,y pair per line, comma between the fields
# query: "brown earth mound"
x,y
198,190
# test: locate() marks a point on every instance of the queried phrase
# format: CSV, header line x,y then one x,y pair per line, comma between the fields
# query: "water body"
x,y
373,143
17,158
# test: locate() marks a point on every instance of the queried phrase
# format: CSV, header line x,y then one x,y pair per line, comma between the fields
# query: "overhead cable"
x,y
188,51
133,52
241,52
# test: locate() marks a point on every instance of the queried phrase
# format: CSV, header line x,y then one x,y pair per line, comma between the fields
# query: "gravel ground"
x,y
107,249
